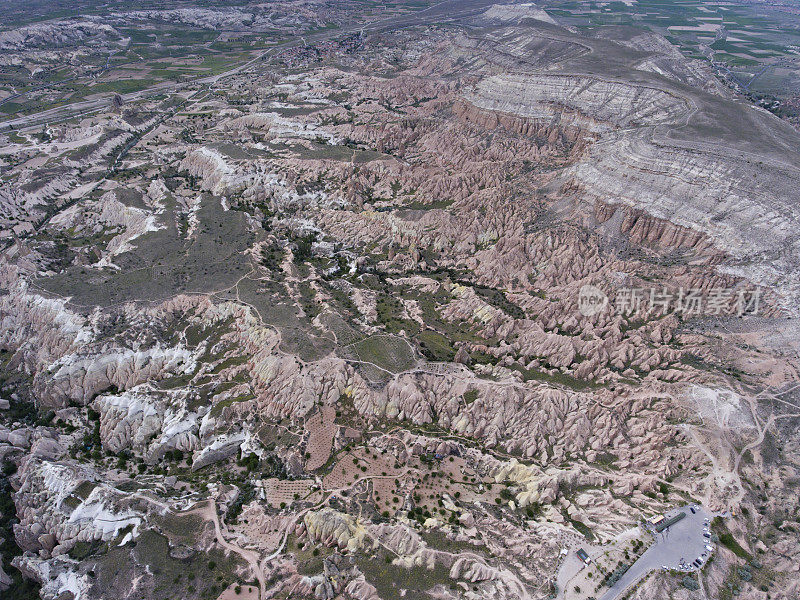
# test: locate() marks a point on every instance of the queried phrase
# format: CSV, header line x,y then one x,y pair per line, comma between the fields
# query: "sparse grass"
x,y
386,351
389,579
219,407
556,378
435,346
726,539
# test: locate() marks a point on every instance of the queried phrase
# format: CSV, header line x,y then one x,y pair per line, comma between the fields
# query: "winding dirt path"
x,y
209,512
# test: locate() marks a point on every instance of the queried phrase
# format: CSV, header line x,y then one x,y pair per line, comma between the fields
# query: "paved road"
x,y
449,10
683,540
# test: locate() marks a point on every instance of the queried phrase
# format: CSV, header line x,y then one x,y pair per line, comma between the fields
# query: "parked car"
x,y
691,508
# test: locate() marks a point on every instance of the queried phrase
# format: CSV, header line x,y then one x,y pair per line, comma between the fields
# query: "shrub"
x,y
689,583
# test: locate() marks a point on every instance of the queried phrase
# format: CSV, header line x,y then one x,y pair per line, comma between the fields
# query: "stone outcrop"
x,y
395,351
332,528
60,504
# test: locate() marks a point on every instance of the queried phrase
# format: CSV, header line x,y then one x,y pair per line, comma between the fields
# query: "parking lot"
x,y
675,548
684,541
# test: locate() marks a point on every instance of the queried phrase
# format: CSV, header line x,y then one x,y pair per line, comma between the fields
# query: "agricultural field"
x,y
149,48
754,47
